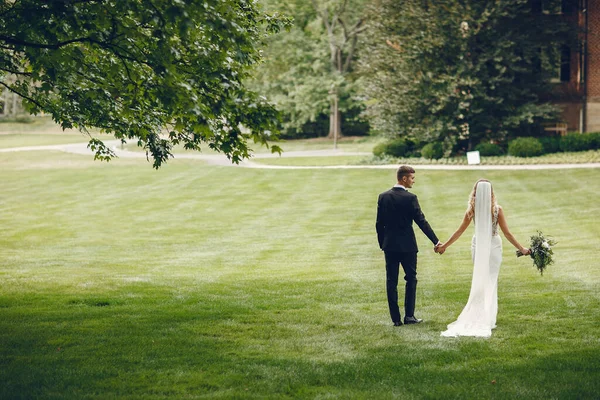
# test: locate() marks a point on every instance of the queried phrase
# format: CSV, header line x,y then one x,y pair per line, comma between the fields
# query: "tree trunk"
x,y
335,119
14,104
339,64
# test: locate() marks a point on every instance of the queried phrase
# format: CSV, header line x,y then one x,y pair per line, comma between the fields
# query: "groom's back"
x,y
395,212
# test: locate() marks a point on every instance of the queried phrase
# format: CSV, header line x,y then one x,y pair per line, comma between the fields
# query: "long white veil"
x,y
478,317
483,244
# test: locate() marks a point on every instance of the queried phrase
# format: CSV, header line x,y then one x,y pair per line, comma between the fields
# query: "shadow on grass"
x,y
269,340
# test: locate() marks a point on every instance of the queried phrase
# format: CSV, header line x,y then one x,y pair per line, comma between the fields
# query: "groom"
x,y
396,211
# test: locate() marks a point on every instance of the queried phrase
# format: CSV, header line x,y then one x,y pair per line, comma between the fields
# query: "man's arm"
x,y
379,224
419,218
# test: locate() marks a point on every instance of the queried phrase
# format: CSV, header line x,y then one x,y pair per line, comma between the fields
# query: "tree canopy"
x,y
304,66
461,72
159,72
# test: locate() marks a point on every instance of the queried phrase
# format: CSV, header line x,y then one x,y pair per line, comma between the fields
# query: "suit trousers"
x,y
408,260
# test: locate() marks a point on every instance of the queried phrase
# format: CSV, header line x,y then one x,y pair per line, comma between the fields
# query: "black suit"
x,y
396,211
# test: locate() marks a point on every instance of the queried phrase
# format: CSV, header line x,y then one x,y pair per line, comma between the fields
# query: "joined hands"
x,y
439,248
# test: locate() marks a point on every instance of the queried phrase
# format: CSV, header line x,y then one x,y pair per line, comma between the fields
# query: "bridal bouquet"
x,y
541,251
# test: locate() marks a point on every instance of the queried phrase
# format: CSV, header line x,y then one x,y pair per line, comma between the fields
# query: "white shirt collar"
x,y
399,186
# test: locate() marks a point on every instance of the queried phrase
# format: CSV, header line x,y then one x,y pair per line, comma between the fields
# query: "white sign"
x,y
473,157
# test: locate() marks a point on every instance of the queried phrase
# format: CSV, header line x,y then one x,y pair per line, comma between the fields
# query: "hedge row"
x,y
573,142
398,147
519,147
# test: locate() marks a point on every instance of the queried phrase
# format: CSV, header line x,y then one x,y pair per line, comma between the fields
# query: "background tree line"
x,y
312,67
452,72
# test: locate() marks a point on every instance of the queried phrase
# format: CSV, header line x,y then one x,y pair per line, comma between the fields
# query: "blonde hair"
x,y
471,203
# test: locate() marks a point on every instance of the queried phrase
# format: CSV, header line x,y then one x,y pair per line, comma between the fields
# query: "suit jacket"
x,y
396,211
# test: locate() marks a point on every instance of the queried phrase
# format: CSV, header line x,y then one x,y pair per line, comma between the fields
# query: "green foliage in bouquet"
x,y
541,251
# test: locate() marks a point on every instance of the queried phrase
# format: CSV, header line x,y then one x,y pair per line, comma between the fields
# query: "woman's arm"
x,y
508,234
463,226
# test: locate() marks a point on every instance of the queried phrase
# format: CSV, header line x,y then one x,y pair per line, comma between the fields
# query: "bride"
x,y
478,318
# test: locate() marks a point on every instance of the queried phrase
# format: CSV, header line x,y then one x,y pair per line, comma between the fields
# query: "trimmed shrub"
x,y
395,148
551,144
488,149
593,140
575,142
379,150
432,151
525,147
413,149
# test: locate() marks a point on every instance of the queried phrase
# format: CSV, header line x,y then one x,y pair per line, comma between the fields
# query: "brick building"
x,y
578,79
592,96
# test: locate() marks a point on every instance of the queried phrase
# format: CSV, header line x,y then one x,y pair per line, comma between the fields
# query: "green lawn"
x,y
348,144
40,131
119,281
310,161
29,124
21,140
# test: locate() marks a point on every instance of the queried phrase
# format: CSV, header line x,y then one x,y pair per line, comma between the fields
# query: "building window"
x,y
556,60
581,68
565,64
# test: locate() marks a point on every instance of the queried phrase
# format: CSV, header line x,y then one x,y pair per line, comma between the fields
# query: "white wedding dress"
x,y
478,318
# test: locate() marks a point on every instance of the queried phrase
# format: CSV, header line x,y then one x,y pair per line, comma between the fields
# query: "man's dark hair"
x,y
404,170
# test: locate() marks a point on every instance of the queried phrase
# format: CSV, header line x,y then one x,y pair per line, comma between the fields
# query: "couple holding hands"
x,y
397,209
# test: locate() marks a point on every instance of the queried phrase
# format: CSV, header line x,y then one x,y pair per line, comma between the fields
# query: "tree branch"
x,y
7,47
22,95
342,8
343,24
322,14
353,35
157,11
16,72
350,54
105,45
56,46
357,28
329,25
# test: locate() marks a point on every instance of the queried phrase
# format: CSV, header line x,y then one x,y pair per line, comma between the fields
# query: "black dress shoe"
x,y
412,320
398,323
